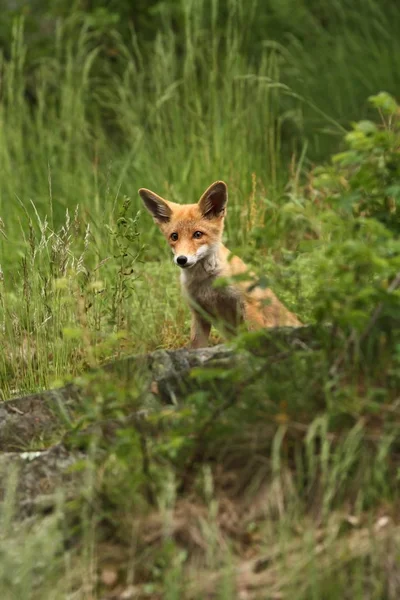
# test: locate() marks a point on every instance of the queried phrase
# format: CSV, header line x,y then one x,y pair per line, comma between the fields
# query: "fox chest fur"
x,y
224,304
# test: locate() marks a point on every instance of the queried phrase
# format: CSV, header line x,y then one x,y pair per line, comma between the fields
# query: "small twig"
x,y
15,409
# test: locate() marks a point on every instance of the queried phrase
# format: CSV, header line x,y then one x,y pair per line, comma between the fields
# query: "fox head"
x,y
193,231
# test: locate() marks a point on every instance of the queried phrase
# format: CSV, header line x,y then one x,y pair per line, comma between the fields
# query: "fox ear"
x,y
157,206
213,201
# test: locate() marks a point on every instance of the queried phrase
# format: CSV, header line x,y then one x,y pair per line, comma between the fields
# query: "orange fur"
x,y
194,233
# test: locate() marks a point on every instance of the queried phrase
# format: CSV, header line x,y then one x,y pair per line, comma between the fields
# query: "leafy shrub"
x,y
342,229
364,180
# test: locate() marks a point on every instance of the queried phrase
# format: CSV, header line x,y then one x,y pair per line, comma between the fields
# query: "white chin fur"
x,y
203,251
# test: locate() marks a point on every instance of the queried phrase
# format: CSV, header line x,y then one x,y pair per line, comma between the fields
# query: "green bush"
x,y
364,180
342,228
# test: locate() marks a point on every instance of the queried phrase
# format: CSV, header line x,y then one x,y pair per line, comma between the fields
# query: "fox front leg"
x,y
199,331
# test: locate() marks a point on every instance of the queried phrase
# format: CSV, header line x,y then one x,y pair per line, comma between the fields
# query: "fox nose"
x,y
181,260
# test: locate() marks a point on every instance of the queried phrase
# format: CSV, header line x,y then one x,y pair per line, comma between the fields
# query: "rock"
x,y
165,372
34,419
39,476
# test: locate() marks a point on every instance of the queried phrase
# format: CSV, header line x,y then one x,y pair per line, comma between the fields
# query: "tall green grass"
x,y
189,109
333,57
174,120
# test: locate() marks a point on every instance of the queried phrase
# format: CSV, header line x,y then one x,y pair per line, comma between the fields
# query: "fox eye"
x,y
197,235
174,236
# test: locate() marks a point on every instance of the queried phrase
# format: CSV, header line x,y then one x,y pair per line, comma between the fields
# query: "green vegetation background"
x,y
294,105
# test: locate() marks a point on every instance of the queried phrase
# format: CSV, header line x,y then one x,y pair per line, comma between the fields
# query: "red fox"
x,y
194,232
